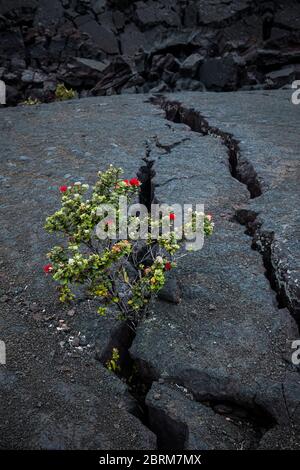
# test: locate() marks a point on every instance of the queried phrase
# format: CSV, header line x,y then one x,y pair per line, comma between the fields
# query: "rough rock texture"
x,y
273,153
226,342
167,45
53,392
180,422
58,397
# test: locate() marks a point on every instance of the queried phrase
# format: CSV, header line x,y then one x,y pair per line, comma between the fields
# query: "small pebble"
x,y
75,342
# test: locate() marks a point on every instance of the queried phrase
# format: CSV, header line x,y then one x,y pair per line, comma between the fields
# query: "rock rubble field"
x,y
105,47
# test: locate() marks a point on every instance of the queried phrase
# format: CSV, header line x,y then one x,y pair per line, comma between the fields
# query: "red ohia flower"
x,y
48,268
172,216
168,266
126,182
134,182
63,188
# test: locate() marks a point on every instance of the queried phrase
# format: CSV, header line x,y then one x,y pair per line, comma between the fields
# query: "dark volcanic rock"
x,y
171,291
273,153
101,35
164,62
116,75
132,39
13,95
182,423
82,72
149,14
237,44
219,74
68,400
213,11
191,64
280,438
12,44
219,340
283,76
228,342
48,13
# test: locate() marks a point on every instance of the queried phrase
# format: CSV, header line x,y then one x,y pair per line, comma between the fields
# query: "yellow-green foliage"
x,y
101,263
62,93
112,364
30,101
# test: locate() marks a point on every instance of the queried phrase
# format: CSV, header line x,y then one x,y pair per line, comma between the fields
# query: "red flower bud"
x,y
48,268
168,266
134,182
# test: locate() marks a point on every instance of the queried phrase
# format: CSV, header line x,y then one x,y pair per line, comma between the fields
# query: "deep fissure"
x,y
171,432
245,173
262,242
138,386
137,381
242,170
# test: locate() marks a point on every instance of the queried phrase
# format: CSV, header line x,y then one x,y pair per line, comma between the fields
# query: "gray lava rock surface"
x,y
180,422
227,342
53,392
